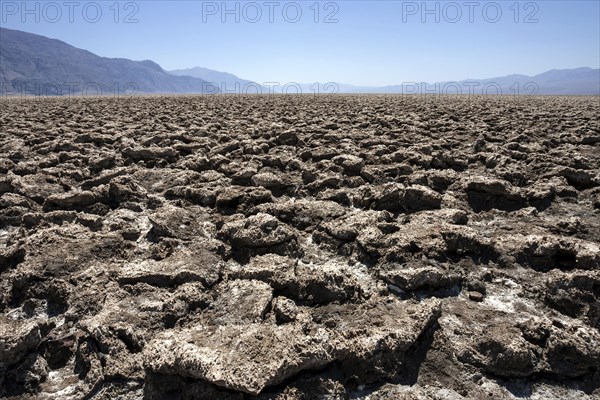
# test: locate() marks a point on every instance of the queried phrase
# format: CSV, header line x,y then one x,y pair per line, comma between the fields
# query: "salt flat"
x,y
300,247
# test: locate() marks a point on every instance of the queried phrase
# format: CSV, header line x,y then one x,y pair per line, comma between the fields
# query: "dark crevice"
x,y
416,355
523,387
482,201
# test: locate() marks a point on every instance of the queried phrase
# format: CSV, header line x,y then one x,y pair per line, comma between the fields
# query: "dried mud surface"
x,y
343,247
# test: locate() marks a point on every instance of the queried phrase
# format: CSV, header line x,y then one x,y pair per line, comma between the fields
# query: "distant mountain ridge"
x,y
578,81
228,83
36,65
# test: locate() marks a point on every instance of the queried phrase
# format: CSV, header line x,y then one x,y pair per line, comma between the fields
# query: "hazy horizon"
x,y
354,42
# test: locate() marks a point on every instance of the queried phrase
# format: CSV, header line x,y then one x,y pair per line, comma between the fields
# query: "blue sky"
x,y
363,43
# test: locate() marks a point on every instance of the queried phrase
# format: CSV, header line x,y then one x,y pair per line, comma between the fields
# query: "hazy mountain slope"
x,y
582,81
39,65
224,80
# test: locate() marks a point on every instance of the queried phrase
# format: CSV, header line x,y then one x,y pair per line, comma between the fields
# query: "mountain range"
x,y
581,81
226,82
36,65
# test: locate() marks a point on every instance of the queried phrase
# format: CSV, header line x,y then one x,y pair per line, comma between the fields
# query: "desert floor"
x,y
300,247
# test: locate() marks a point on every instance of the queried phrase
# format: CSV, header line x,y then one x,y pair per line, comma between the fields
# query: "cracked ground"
x,y
300,247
